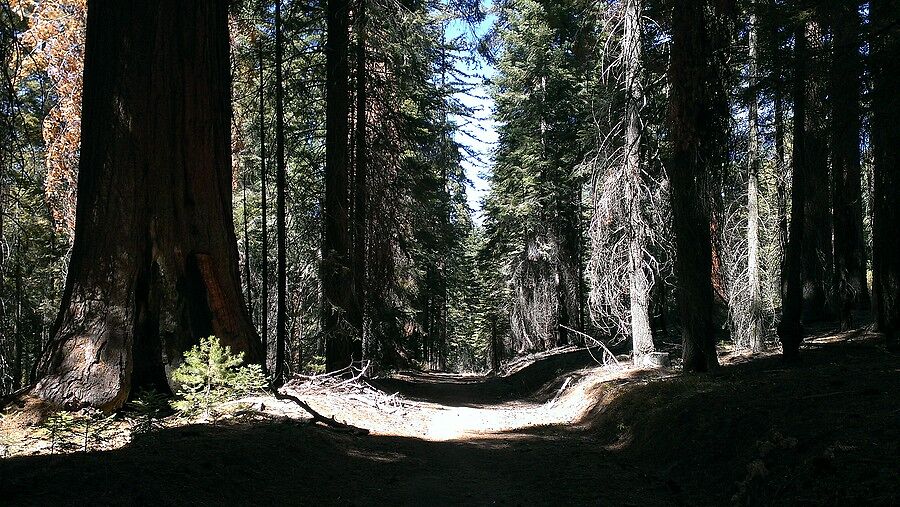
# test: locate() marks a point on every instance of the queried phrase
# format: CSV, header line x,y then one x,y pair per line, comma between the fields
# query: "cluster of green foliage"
x,y
420,226
148,407
211,375
78,431
32,248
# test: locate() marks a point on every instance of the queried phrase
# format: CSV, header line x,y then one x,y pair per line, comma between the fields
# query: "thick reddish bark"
x,y
154,265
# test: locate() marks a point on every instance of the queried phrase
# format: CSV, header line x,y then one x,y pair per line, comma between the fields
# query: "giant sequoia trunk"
x,y
154,265
885,46
849,283
695,122
336,270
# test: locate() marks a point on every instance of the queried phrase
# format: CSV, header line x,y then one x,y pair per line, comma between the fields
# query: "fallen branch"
x,y
331,422
357,377
559,393
598,342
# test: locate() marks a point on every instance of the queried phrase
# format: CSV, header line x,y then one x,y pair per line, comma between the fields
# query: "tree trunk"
x,y
336,270
753,156
280,183
817,249
790,329
694,115
781,183
360,217
885,44
264,208
154,264
849,283
639,294
19,341
247,278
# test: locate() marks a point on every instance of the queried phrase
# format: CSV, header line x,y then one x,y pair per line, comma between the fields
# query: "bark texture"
x,y
367,349
154,265
816,254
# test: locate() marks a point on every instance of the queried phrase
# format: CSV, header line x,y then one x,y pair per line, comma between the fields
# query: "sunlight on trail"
x,y
456,423
571,397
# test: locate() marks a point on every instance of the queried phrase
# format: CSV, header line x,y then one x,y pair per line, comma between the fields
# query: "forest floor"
x,y
558,429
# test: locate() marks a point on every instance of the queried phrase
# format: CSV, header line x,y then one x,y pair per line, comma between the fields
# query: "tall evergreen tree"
x,y
280,202
849,282
336,269
639,293
697,111
754,162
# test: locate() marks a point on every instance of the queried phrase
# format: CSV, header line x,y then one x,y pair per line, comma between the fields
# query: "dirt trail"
x,y
825,431
558,389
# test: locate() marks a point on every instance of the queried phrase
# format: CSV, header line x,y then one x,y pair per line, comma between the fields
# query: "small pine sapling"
x,y
93,428
149,407
211,375
60,429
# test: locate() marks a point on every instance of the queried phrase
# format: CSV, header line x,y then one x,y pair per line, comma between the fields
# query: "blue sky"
x,y
478,133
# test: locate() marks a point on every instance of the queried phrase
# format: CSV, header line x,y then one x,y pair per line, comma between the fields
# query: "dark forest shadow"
x,y
825,431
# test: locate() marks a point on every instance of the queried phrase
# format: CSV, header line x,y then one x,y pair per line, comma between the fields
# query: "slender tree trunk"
x,y
755,308
817,228
264,205
360,217
154,264
849,284
18,340
247,278
694,115
336,269
885,44
280,184
790,329
781,183
639,295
